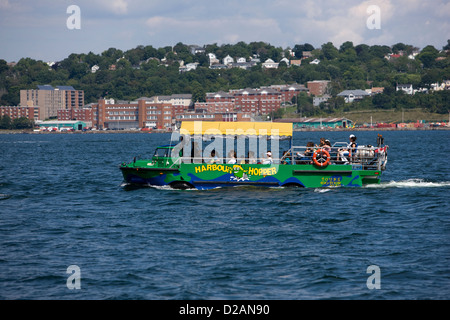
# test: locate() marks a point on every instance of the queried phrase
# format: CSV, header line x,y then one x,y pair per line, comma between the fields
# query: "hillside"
x,y
147,71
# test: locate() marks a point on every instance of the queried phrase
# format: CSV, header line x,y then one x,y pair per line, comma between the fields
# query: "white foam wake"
x,y
410,183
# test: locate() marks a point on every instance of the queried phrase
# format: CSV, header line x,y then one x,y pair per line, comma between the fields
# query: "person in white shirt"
x,y
269,159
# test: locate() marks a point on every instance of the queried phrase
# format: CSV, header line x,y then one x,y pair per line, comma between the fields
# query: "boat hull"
x,y
210,176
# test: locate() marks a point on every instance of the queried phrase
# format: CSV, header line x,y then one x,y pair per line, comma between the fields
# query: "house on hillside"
x,y
95,68
212,59
318,100
408,88
270,64
228,60
188,67
286,60
352,95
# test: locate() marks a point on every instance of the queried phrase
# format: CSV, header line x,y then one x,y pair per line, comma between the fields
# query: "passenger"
x,y
286,158
322,142
269,159
250,158
214,158
350,151
232,157
306,157
327,145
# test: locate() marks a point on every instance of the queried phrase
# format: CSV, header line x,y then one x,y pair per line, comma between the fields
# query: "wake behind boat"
x,y
214,154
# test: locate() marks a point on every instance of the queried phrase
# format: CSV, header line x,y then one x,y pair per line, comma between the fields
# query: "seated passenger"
x,y
322,142
232,157
306,157
286,158
350,151
327,145
214,158
269,159
250,158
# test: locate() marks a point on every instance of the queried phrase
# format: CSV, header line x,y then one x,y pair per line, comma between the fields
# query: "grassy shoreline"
x,y
360,117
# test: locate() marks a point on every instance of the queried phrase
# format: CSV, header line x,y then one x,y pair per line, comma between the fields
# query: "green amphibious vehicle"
x,y
228,158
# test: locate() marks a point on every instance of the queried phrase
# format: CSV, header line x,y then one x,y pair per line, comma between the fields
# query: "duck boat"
x,y
207,155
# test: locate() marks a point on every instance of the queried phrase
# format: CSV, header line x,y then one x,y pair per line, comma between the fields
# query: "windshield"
x,y
162,152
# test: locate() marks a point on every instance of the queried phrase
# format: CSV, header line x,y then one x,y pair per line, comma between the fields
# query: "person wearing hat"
x,y
349,151
269,159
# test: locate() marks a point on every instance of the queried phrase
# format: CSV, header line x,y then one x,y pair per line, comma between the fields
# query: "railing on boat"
x,y
366,157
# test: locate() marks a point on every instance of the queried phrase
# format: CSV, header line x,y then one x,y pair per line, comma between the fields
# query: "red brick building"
x,y
136,114
15,112
220,116
290,91
263,101
318,87
84,114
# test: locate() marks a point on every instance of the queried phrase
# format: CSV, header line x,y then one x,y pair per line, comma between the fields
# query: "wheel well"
x,y
183,185
292,185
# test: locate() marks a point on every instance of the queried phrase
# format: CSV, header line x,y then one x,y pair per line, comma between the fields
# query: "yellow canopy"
x,y
236,128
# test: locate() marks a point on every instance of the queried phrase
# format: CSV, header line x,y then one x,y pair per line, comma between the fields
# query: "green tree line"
x,y
19,123
148,71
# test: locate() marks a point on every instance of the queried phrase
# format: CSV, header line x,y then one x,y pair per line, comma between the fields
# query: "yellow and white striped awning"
x,y
236,128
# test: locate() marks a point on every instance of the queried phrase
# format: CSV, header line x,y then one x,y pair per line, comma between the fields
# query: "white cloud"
x,y
119,6
221,30
128,23
4,4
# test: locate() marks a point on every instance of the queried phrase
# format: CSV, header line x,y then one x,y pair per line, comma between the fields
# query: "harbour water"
x,y
63,203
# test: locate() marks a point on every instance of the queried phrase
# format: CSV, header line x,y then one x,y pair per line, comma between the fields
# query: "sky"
x,y
46,30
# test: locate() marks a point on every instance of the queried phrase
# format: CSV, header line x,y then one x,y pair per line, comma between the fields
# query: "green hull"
x,y
209,176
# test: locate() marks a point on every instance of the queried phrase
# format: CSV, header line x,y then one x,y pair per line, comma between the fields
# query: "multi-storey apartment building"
x,y
142,113
263,101
84,114
50,100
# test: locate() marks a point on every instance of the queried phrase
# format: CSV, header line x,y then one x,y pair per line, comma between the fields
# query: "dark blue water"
x,y
63,203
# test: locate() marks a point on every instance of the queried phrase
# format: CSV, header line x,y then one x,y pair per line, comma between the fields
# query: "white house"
x,y
318,100
212,59
188,67
408,88
315,61
286,60
270,64
227,60
95,68
241,60
352,95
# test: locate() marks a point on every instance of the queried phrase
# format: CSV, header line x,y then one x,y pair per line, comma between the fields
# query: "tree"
x,y
329,51
5,122
447,46
428,56
3,66
396,48
305,104
198,92
348,45
22,123
299,48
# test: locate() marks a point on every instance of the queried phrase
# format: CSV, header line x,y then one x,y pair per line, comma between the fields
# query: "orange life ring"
x,y
322,152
